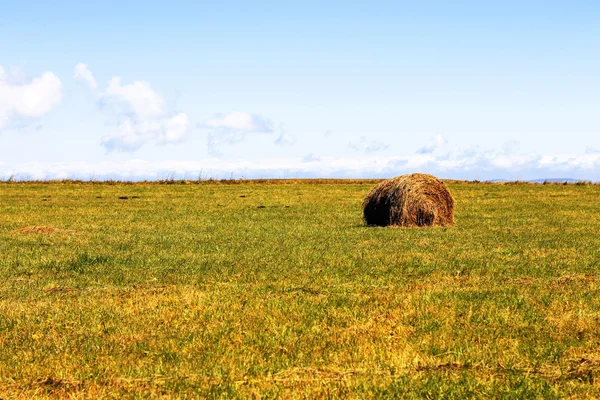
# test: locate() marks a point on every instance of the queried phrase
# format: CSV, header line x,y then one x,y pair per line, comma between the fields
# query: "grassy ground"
x,y
264,290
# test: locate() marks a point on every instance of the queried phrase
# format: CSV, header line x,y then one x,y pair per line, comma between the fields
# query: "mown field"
x,y
280,291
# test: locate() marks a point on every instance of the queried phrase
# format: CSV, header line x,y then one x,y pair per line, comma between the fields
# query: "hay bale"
x,y
409,200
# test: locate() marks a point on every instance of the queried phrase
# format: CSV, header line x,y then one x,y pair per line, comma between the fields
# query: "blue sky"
x,y
145,90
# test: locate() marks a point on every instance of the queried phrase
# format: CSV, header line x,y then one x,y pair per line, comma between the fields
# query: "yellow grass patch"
x,y
42,229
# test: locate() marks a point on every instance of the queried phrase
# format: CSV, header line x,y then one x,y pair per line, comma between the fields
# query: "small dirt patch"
x,y
60,289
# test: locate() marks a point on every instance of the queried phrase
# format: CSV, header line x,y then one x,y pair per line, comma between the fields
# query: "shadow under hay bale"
x,y
409,200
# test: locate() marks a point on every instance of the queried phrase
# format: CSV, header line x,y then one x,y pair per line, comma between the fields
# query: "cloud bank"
x,y
468,164
27,100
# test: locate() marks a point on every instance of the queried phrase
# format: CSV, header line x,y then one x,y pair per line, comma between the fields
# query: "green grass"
x,y
265,290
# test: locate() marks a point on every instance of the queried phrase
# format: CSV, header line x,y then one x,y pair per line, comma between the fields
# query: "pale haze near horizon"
x,y
136,90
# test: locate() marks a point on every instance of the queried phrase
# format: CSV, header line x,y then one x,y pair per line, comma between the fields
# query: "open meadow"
x,y
279,290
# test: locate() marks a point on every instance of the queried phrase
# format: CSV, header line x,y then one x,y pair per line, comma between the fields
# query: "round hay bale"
x,y
409,200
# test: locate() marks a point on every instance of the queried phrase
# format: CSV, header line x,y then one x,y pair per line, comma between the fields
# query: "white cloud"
x,y
591,150
364,145
175,128
233,128
139,114
14,77
284,138
82,73
129,136
139,96
132,135
434,143
28,100
310,158
240,122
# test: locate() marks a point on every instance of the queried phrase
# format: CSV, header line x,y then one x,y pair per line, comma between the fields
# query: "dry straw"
x,y
410,200
42,229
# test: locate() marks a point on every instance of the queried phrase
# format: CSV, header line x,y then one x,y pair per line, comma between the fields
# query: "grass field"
x,y
279,290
